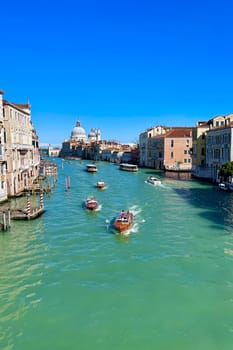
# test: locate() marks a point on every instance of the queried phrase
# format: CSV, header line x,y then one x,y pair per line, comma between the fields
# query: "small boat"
x,y
226,186
223,186
153,180
92,203
123,221
128,167
91,168
101,185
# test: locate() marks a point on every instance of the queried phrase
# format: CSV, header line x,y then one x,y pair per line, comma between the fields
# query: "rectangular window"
x,y
172,155
172,143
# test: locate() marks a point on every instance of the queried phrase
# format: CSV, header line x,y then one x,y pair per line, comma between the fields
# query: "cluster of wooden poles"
x,y
27,214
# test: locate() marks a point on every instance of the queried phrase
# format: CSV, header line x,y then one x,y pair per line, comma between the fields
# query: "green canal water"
x,y
69,282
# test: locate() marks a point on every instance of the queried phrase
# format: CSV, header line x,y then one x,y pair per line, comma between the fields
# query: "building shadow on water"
x,y
175,175
217,205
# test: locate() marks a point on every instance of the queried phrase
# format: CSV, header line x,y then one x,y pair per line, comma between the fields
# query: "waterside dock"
x,y
27,213
18,214
31,210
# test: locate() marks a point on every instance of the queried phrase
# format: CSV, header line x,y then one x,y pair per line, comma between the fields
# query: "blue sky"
x,y
122,66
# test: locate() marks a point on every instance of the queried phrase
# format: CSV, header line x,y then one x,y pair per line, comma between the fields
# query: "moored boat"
x,y
123,221
128,167
223,187
101,185
91,168
226,186
153,180
92,203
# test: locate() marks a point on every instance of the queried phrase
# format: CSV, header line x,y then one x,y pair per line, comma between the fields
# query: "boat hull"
x,y
91,168
153,180
128,167
225,186
92,204
123,222
100,185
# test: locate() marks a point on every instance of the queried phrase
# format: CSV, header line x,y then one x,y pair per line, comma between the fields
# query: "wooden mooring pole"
x,y
28,206
9,218
41,200
6,220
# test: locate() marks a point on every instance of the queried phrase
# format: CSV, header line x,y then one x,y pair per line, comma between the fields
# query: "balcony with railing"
x,y
22,147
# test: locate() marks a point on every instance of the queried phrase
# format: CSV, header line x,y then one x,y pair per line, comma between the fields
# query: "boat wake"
x,y
99,207
133,229
154,185
135,210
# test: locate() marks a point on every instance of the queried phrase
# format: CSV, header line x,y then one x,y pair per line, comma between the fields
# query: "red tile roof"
x,y
23,105
17,105
179,132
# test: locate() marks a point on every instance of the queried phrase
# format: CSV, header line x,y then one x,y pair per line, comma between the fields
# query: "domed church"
x,y
78,133
94,135
78,142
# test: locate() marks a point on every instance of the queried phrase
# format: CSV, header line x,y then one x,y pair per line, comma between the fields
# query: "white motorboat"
x,y
91,168
153,180
128,167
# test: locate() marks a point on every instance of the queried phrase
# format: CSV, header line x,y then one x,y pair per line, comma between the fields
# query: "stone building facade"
x,y
3,157
219,143
166,148
148,152
177,145
22,148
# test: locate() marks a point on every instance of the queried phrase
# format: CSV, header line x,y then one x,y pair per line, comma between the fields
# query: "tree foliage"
x,y
226,170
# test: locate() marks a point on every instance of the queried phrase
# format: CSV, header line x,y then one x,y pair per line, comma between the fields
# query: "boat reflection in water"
x,y
178,175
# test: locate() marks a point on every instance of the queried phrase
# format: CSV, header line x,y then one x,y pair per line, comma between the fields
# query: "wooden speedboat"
x,y
123,221
153,180
100,184
92,203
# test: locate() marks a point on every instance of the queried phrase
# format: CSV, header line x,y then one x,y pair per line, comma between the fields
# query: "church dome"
x,y
78,133
92,133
